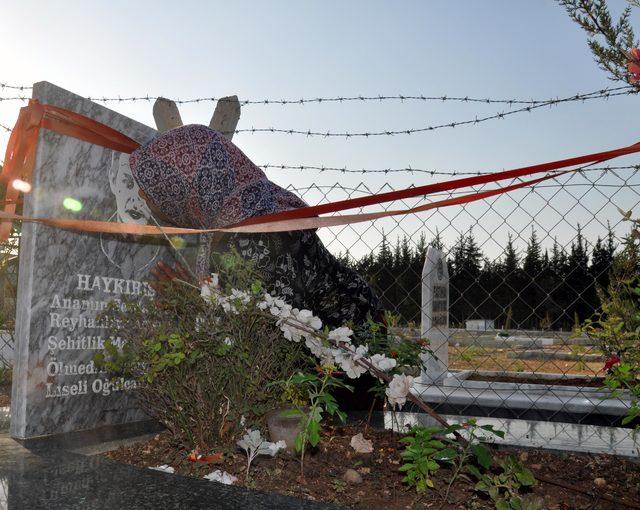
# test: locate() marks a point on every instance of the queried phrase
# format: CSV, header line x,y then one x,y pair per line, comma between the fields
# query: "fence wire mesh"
x,y
525,269
8,291
526,266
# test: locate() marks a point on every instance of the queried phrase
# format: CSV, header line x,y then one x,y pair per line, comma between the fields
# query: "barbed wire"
x,y
341,99
361,98
14,98
409,169
474,121
603,94
14,87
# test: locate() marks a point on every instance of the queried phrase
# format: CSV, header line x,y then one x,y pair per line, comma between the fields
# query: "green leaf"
x,y
516,503
256,287
446,454
525,477
502,505
98,358
474,471
483,455
489,428
482,486
313,430
432,465
299,442
316,414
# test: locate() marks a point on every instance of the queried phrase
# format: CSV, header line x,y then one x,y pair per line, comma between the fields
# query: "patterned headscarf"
x,y
200,179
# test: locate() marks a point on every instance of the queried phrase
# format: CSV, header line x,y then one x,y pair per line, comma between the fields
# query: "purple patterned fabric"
x,y
200,179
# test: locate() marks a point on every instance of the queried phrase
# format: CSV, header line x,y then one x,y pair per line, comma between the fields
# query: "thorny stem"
x,y
362,362
461,460
373,403
314,405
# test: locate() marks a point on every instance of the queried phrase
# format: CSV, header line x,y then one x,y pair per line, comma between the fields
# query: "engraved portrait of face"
x,y
131,208
128,252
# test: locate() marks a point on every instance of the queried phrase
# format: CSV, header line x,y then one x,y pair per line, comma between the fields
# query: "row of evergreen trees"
x,y
540,289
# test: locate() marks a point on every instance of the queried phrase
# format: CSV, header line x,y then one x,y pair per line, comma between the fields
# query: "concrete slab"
x,y
539,434
570,399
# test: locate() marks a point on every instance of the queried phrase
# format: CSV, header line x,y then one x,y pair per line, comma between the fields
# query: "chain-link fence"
x,y
525,269
8,290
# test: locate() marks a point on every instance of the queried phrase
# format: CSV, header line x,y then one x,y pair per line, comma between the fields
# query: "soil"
x,y
575,381
382,485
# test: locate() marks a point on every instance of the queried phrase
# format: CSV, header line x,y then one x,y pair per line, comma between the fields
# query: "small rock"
x,y
536,466
222,477
364,470
360,444
524,456
600,482
164,468
352,476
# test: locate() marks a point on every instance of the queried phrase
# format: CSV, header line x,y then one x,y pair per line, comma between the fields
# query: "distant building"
x,y
480,324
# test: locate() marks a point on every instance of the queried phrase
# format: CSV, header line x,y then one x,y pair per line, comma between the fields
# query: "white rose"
x,y
347,359
381,362
398,389
342,334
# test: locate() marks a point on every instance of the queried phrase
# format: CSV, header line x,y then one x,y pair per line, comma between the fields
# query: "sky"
x,y
285,49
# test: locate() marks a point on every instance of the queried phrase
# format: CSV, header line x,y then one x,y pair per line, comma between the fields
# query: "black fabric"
x,y
297,267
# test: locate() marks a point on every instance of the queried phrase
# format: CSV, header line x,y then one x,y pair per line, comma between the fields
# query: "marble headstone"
x,y
435,315
66,278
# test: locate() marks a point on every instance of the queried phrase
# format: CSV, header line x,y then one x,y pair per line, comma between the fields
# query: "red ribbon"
x,y
20,159
23,142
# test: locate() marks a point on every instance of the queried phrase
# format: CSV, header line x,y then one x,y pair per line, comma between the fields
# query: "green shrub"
x,y
203,373
504,488
617,327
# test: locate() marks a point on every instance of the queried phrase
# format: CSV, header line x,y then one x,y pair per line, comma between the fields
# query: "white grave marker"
x,y
435,315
